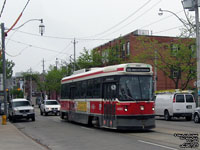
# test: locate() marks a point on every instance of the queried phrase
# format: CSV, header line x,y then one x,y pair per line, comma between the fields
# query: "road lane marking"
x,y
87,128
157,145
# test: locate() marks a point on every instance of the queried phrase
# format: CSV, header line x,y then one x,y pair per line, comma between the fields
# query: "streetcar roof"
x,y
109,70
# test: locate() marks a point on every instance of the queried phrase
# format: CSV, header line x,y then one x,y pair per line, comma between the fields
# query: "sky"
x,y
90,22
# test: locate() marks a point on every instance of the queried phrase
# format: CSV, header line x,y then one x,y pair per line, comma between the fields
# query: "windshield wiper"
x,y
125,94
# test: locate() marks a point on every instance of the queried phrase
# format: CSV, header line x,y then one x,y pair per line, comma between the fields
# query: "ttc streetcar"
x,y
115,97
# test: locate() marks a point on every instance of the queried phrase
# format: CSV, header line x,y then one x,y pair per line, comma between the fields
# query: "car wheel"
x,y
196,118
41,113
13,119
45,113
166,115
33,118
10,118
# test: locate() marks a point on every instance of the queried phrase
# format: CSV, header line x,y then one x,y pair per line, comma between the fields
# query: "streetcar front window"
x,y
135,88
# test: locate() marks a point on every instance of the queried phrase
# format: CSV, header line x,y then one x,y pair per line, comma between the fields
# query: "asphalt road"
x,y
56,134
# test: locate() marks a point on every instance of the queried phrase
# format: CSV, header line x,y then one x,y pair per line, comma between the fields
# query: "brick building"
x,y
128,46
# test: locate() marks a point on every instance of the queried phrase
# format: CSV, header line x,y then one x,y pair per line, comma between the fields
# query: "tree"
x,y
9,67
17,93
178,57
85,59
53,79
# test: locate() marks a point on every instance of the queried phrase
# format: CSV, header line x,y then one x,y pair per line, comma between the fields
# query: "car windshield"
x,y
51,103
134,88
21,103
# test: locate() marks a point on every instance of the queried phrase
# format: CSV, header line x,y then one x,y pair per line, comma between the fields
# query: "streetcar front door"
x,y
109,95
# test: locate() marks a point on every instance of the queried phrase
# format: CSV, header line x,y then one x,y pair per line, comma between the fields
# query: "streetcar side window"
x,y
72,92
78,90
83,89
97,88
64,91
89,88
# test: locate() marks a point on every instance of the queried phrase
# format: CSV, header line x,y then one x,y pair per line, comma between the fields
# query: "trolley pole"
x,y
4,68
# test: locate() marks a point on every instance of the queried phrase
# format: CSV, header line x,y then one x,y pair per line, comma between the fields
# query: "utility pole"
x,y
70,62
74,42
4,67
43,78
192,5
155,69
196,8
43,71
30,85
56,63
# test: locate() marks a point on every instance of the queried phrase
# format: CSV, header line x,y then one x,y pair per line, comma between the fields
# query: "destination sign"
x,y
135,69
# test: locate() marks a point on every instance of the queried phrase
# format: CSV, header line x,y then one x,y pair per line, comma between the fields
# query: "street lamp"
x,y
3,35
161,13
192,5
41,26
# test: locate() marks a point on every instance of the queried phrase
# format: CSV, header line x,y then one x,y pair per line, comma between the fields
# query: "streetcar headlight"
x,y
153,108
141,107
126,108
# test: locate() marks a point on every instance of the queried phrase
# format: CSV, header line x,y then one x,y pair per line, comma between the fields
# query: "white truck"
x,y
175,104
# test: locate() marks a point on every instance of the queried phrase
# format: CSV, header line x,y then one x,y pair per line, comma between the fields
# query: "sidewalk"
x,y
12,139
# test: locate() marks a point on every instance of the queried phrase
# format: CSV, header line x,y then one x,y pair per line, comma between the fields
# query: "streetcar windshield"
x,y
135,88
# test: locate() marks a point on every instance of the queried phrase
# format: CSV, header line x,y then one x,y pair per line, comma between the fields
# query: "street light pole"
x,y
4,67
196,9
3,34
193,5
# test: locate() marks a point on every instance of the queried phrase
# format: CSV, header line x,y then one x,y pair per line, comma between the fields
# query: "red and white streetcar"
x,y
116,97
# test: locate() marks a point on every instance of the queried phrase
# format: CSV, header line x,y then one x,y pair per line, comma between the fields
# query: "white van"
x,y
175,105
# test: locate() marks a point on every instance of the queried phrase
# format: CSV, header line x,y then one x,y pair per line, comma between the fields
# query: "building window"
x,y
192,47
128,48
105,56
175,74
174,49
124,47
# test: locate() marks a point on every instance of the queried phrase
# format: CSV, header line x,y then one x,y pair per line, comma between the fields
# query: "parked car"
x,y
175,105
196,115
50,106
19,109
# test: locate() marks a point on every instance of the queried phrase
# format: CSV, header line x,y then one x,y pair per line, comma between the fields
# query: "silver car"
x,y
196,115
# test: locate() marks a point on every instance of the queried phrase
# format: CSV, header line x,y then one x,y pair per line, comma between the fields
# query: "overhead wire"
x,y
64,49
2,9
18,18
134,19
160,20
19,52
122,20
47,49
167,29
63,38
